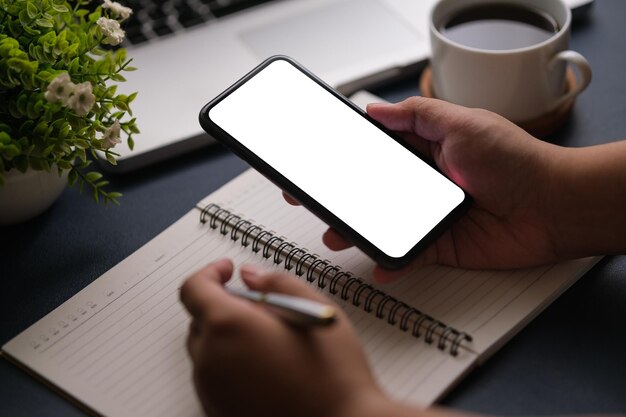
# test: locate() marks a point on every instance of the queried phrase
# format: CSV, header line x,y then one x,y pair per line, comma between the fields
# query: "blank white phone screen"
x,y
352,168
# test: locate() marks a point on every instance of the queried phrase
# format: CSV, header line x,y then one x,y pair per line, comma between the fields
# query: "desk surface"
x,y
571,359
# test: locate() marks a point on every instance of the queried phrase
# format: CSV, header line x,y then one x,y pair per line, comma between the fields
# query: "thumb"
x,y
428,118
260,280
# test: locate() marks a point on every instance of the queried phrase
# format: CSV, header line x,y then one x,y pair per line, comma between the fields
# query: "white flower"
x,y
111,136
117,9
114,35
82,100
59,89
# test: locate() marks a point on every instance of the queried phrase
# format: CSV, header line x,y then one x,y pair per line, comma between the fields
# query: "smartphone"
x,y
323,150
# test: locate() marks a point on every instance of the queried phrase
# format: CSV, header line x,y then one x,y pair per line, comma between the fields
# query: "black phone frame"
x,y
311,204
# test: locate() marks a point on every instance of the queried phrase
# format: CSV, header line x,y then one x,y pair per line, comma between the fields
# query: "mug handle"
x,y
583,69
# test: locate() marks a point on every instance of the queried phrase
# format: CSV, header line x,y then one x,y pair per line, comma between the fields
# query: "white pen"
x,y
295,310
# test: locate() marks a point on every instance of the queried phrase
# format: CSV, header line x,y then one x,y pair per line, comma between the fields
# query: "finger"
x,y
204,289
290,199
428,257
334,241
194,340
428,118
385,276
260,280
402,125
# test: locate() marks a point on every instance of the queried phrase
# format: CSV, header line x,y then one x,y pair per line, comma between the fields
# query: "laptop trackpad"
x,y
336,35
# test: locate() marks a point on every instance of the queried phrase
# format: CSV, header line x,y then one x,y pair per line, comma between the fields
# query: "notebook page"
x,y
121,340
489,305
118,346
255,198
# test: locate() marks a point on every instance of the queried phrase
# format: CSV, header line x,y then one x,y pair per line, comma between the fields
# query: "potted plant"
x,y
59,65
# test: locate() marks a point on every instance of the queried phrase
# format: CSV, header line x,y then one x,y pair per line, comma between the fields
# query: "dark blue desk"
x,y
570,360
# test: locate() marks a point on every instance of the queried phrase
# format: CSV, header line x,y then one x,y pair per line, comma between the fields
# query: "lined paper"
x,y
118,346
486,304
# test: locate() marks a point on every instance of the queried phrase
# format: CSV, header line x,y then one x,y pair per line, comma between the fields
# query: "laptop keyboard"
x,y
154,18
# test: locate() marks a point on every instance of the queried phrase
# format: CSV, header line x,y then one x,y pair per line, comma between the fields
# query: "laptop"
x,y
188,51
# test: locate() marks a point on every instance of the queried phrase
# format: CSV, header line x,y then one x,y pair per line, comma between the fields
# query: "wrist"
x,y
374,403
586,200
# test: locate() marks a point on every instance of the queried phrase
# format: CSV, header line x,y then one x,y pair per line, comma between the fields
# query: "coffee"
x,y
499,27
520,83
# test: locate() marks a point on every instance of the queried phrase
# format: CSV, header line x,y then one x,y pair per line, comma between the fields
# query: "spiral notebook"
x,y
118,346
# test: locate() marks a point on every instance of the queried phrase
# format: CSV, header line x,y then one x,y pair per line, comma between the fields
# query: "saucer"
x,y
541,126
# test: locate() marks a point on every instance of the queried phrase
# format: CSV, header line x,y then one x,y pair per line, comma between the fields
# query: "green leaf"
x,y
110,91
60,8
32,113
122,105
36,51
81,143
24,18
63,164
45,165
112,200
22,65
65,148
39,106
13,110
15,27
81,154
72,177
10,151
22,103
74,66
71,51
41,128
120,56
111,159
93,176
31,31
31,10
47,150
64,131
117,77
44,23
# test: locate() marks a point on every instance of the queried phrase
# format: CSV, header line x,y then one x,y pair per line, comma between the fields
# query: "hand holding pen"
x,y
237,346
298,311
295,310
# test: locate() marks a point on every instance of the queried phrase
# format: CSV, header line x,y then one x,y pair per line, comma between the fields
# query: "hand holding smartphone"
x,y
316,145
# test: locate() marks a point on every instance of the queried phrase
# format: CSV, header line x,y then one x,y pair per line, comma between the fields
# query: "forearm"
x,y
377,404
588,201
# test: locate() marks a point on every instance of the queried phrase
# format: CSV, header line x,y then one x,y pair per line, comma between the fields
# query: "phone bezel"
x,y
307,201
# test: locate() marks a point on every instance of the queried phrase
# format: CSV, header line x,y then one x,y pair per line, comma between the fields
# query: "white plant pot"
x,y
26,195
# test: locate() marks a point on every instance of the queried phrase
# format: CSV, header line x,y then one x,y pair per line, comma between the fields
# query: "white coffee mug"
x,y
521,84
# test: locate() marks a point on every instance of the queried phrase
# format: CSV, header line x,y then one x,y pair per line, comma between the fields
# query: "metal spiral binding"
x,y
326,275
